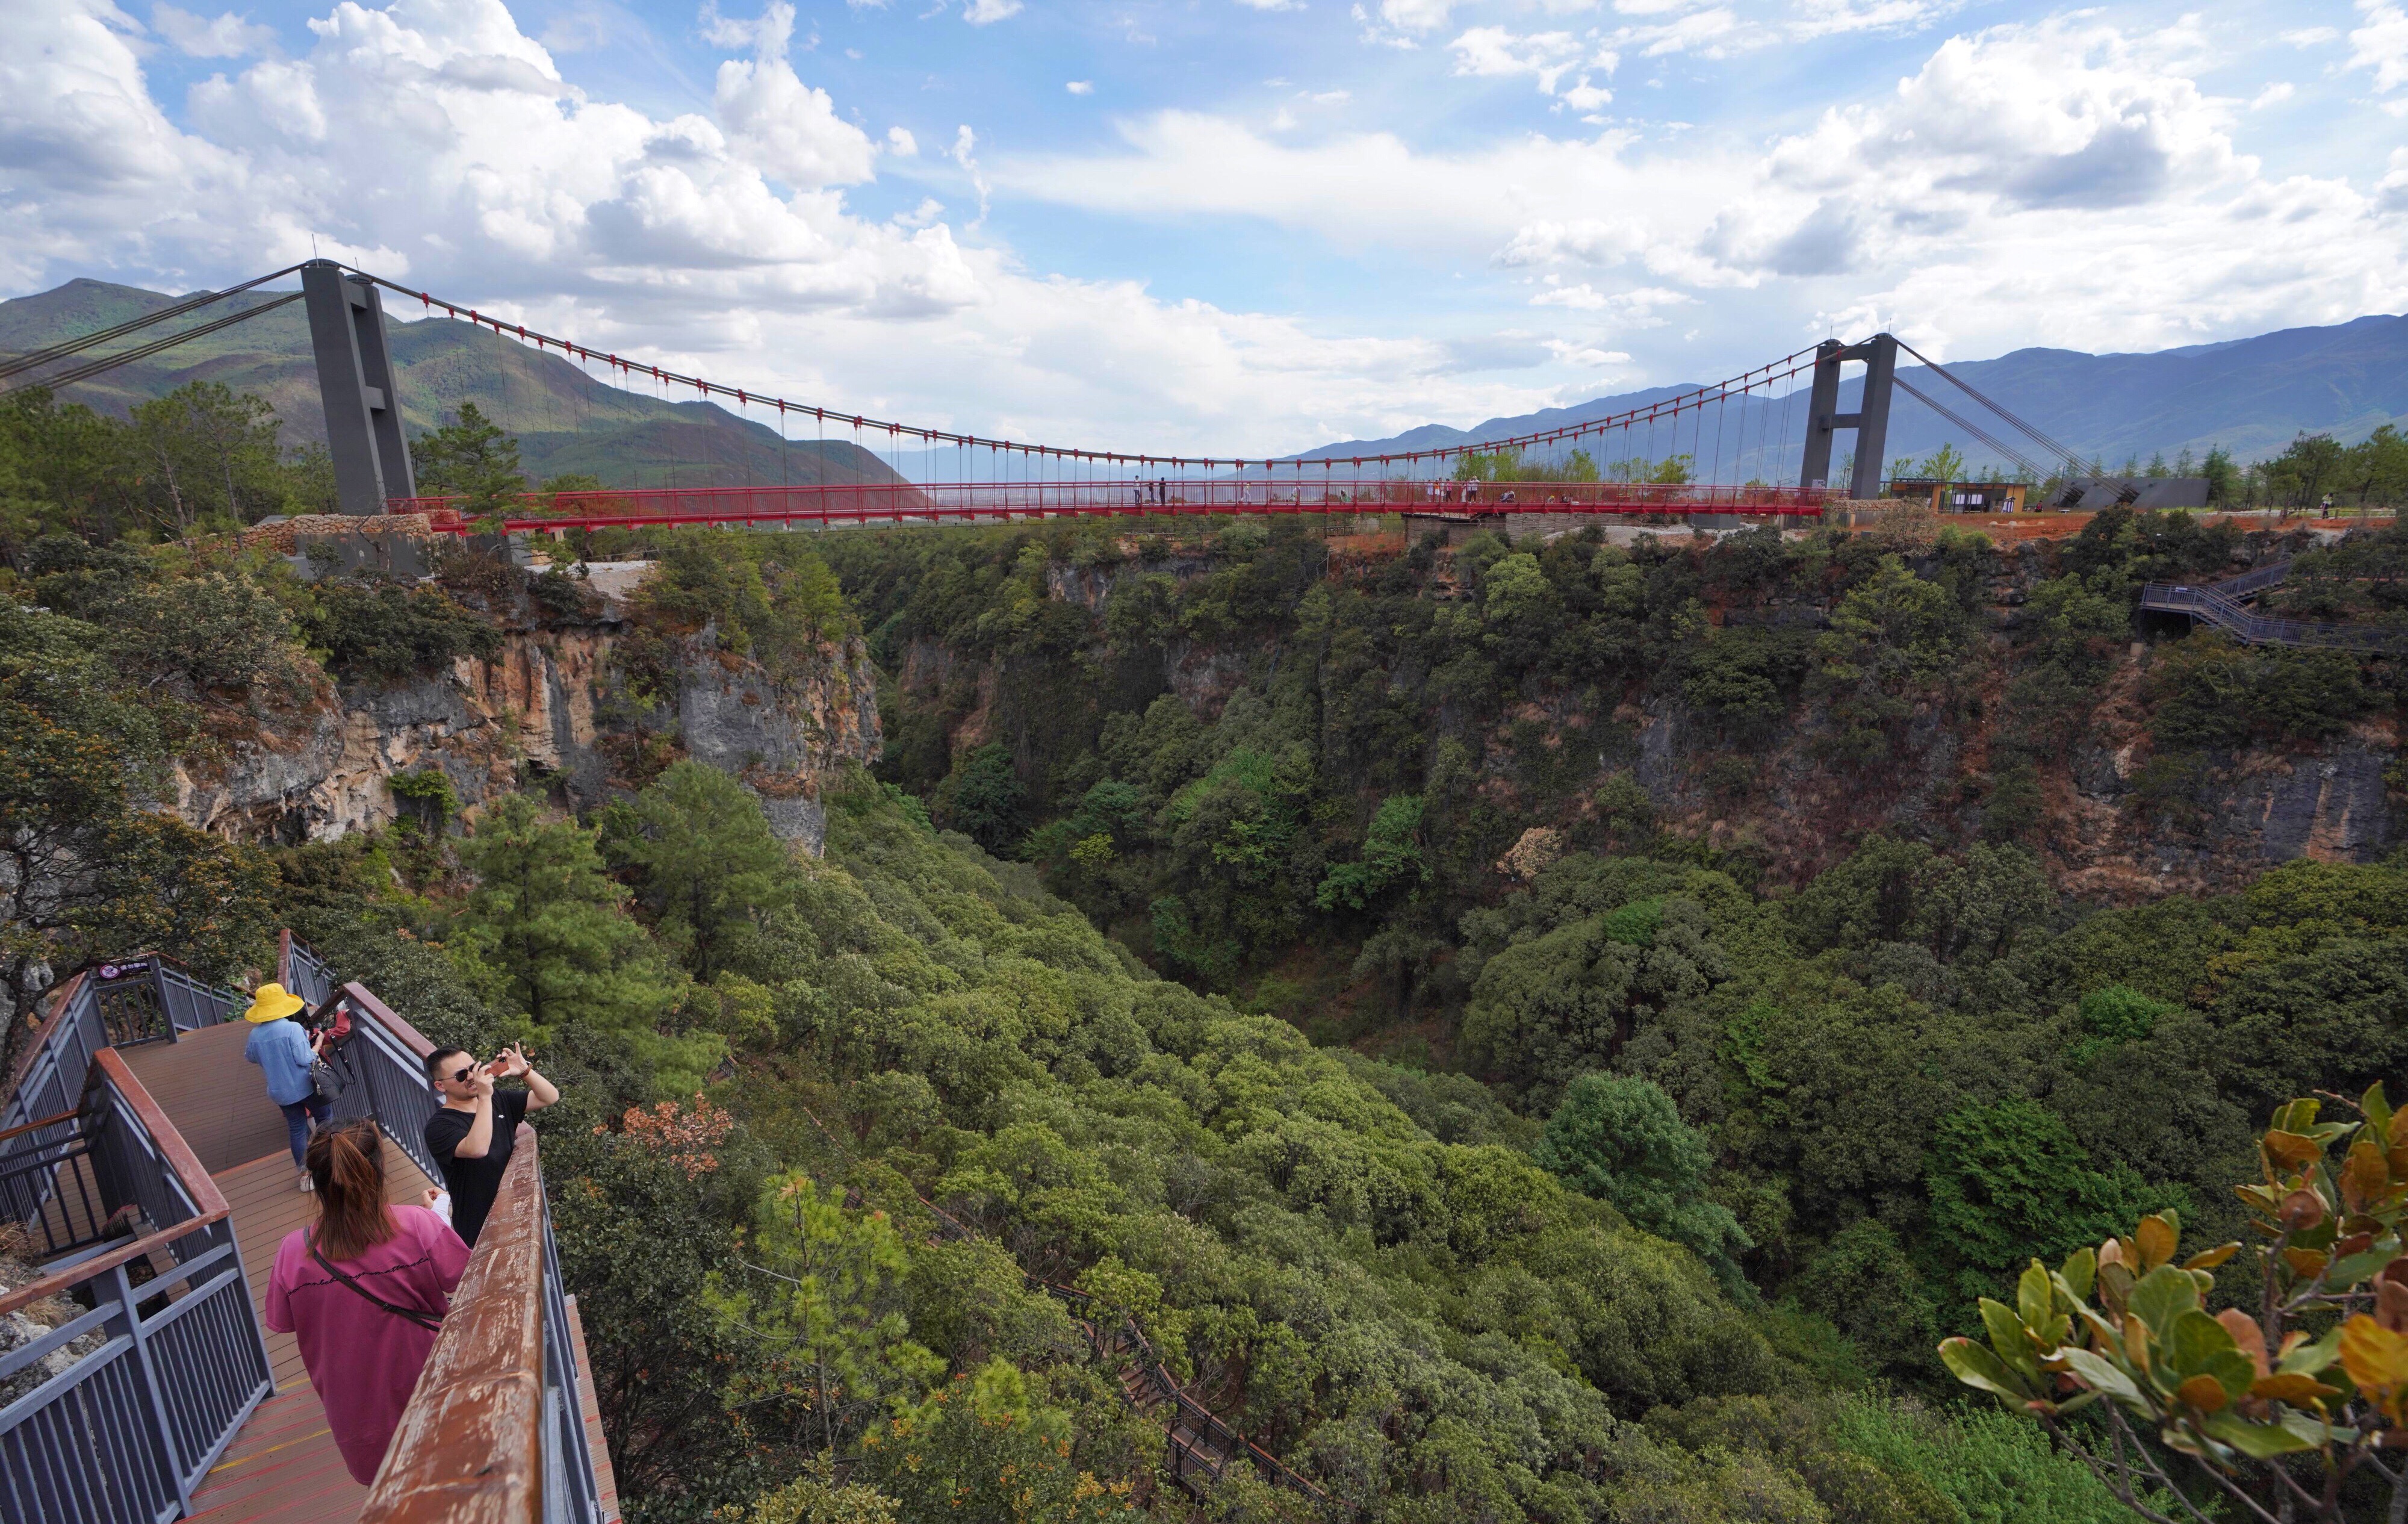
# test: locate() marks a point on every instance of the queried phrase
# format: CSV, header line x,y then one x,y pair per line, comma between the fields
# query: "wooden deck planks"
x,y
283,1466
216,1100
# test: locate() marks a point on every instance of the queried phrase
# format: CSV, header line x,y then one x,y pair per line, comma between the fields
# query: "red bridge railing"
x,y
828,506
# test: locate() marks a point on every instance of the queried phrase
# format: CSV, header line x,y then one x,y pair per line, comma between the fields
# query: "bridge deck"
x,y
283,1468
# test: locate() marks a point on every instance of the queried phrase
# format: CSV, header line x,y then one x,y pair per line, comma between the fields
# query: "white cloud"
x,y
2382,44
2391,193
781,126
228,36
1081,87
2060,182
1272,5
2273,95
1633,308
985,12
2309,37
1415,15
900,142
1493,50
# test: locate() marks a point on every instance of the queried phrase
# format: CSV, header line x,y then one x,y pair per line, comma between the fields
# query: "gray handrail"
x,y
2203,600
126,1431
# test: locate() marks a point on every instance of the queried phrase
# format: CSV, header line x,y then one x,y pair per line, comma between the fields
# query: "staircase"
x,y
142,1163
2220,603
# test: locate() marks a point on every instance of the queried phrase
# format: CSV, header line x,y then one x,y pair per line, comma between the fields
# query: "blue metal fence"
x,y
124,1434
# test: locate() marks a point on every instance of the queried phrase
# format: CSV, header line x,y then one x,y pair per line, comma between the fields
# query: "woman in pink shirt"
x,y
362,1291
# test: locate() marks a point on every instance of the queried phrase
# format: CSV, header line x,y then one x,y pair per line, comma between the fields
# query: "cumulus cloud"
x,y
2381,45
1081,87
986,12
1493,50
228,35
2065,181
781,126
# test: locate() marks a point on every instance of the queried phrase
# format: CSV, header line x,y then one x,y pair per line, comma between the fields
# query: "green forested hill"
x,y
1480,1140
566,421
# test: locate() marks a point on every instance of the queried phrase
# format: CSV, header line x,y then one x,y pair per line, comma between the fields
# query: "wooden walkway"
x,y
283,1468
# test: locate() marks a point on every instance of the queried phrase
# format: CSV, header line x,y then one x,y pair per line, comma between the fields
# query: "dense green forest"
x,y
1477,1144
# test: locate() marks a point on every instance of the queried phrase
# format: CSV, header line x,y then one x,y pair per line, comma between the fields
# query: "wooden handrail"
x,y
469,1449
208,1200
45,1122
409,1035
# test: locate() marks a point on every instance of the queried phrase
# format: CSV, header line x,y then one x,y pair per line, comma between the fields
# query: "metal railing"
x,y
495,1429
2209,601
383,1067
124,1434
839,505
301,972
150,999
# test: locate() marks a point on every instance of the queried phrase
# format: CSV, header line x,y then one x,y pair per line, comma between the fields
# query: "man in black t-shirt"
x,y
472,1134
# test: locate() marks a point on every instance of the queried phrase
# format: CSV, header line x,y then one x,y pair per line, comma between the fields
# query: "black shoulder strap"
x,y
428,1321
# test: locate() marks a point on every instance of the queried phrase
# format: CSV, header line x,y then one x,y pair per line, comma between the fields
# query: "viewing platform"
x,y
143,1170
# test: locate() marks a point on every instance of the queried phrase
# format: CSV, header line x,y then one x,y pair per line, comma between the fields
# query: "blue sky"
x,y
1213,224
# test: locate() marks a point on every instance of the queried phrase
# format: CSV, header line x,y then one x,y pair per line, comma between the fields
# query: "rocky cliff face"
x,y
547,708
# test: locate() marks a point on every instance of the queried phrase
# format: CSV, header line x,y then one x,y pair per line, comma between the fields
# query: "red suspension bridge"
x,y
1678,456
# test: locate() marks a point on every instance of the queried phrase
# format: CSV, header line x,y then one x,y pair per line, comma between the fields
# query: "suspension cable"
x,y
111,362
77,346
1970,427
2073,461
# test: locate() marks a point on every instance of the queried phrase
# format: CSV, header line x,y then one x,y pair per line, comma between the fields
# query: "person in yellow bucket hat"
x,y
284,1053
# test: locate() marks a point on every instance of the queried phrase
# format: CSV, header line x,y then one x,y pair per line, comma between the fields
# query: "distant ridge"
x,y
2251,396
565,421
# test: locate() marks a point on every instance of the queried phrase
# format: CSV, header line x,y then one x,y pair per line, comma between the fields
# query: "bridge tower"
x,y
1871,420
355,378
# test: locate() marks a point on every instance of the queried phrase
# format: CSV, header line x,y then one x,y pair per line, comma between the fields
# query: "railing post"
x,y
162,1428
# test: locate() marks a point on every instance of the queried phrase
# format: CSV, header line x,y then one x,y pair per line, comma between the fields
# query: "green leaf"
x,y
2259,1441
2101,1373
2163,1295
2079,1271
2315,1356
2351,1269
2035,1299
2192,1340
1977,1367
2378,1114
2008,1337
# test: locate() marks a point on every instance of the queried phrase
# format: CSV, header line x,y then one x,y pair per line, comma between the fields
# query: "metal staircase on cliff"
x,y
2223,605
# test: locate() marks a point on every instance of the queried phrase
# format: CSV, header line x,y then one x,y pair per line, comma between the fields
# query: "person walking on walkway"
x,y
284,1053
473,1132
362,1291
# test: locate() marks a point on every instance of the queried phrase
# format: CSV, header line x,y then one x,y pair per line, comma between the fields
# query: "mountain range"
x,y
2250,396
565,419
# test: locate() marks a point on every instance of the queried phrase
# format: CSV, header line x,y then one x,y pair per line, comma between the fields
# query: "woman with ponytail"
x,y
362,1291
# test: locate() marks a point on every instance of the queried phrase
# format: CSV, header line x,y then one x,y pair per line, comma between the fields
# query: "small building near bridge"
x,y
1962,497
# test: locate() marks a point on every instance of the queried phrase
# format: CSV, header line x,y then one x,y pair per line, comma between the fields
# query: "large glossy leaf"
x,y
2372,1354
2365,1175
2205,1393
2351,1269
2163,1295
2192,1339
2296,1389
2259,1441
2290,1150
2009,1339
2080,1270
1975,1366
2155,1237
2311,1357
2036,1301
2101,1373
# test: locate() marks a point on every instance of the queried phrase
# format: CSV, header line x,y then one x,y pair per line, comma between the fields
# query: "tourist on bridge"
x,y
285,1053
362,1290
472,1133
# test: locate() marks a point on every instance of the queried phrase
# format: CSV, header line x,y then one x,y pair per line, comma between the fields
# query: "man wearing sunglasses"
x,y
472,1134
